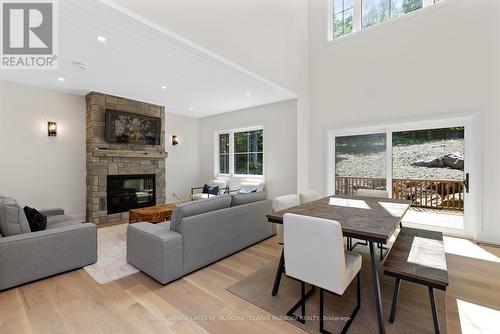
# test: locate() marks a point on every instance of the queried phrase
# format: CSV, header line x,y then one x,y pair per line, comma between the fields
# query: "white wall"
x,y
39,171
439,61
48,172
266,37
280,150
183,162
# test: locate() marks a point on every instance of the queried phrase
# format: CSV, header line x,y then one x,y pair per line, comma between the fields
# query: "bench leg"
x,y
434,310
395,300
279,272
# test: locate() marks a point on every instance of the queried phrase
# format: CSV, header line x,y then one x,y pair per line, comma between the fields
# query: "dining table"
x,y
371,219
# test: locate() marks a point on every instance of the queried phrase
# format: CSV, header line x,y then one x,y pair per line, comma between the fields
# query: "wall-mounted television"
x,y
127,128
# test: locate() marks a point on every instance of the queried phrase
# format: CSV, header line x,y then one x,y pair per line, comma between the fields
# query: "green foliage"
x,y
377,11
423,136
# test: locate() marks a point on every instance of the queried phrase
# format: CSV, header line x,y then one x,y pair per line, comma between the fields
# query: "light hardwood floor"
x,y
74,303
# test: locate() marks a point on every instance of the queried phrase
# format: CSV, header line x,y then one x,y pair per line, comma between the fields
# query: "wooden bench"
x,y
418,256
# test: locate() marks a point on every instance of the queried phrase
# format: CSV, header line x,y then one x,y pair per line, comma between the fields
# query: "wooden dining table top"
x,y
366,218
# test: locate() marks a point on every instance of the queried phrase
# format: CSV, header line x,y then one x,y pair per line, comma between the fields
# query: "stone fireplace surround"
x,y
105,159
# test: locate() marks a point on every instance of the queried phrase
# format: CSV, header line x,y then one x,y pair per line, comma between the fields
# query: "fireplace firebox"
x,y
127,192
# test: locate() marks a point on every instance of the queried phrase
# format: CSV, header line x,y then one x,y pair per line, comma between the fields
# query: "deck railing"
x,y
425,193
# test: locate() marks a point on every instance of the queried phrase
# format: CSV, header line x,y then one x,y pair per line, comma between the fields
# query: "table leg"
x,y
279,272
376,288
434,311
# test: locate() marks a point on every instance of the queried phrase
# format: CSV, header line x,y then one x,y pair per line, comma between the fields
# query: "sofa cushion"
x,y
242,199
63,224
58,219
198,196
13,220
37,221
250,187
189,209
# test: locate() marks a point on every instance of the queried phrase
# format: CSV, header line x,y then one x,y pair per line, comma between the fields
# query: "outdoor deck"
x,y
425,193
449,219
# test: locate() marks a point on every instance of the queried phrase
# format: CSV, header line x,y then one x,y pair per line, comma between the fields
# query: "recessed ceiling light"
x,y
191,109
248,94
101,39
163,87
60,79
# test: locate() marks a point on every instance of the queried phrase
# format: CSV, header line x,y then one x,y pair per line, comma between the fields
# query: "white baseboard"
x,y
492,238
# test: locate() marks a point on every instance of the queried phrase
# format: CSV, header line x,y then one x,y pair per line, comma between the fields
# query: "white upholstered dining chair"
x,y
308,196
371,193
314,254
282,203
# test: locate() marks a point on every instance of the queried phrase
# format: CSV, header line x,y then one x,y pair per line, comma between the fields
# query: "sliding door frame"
x,y
472,208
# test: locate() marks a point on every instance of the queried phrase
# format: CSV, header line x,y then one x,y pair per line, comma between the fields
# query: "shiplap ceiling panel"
x,y
138,58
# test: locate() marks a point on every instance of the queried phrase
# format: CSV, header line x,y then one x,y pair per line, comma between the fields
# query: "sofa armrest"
x,y
52,212
155,250
31,256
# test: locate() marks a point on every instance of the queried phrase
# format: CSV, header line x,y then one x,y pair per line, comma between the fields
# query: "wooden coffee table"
x,y
152,214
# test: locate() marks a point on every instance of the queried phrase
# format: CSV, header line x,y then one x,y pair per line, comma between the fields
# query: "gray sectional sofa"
x,y
27,256
200,233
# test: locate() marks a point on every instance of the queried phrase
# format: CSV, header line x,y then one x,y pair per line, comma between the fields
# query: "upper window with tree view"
x,y
349,16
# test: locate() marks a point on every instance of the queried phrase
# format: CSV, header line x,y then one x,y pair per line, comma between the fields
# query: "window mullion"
x,y
231,153
356,15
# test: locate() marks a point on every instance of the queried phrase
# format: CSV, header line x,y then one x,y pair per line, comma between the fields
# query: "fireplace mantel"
x,y
129,154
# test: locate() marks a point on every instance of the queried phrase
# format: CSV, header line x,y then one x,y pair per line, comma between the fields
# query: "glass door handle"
x,y
467,183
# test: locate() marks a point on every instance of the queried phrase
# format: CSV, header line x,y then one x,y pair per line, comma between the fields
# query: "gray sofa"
x,y
27,256
200,233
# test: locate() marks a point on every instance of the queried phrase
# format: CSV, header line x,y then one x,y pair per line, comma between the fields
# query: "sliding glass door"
x,y
422,162
428,168
360,163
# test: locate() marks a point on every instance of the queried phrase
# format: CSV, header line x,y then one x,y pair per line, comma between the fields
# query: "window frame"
x,y
231,133
357,18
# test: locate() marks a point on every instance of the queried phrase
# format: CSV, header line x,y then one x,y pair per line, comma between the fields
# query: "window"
x,y
241,152
377,11
342,17
349,16
224,153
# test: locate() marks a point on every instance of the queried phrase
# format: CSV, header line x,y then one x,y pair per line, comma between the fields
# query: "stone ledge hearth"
x,y
105,159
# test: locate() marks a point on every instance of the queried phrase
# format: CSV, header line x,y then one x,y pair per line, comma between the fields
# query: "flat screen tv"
x,y
127,128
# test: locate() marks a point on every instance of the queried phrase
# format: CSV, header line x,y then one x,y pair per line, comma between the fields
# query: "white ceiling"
x,y
139,58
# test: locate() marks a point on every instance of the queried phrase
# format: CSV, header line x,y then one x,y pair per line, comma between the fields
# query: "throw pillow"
x,y
210,190
13,220
214,191
37,221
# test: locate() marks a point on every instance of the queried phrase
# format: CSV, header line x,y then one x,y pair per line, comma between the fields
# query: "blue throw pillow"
x,y
214,191
210,190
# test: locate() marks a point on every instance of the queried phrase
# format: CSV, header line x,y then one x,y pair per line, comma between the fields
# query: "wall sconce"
x,y
52,129
175,141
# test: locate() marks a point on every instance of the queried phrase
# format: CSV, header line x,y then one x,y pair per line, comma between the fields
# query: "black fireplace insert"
x,y
127,192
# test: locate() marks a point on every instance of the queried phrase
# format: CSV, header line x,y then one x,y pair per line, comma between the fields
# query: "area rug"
x,y
111,255
413,313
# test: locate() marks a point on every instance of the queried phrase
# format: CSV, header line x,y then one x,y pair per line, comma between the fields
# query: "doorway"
x,y
425,162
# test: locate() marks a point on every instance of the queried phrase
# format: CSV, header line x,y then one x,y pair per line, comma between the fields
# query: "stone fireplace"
x,y
133,168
